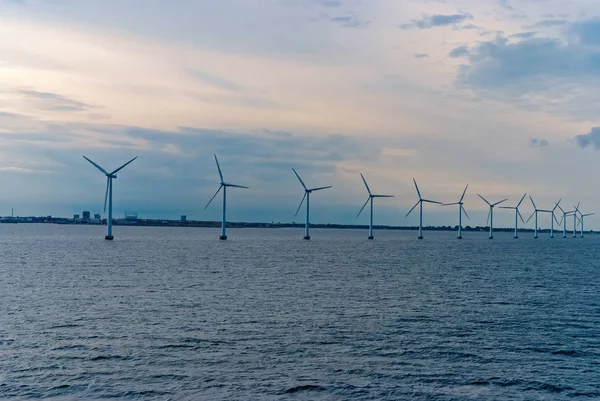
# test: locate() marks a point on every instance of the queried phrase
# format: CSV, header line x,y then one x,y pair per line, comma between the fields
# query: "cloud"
x,y
437,20
421,55
538,143
348,21
461,51
591,138
587,32
53,101
214,80
524,35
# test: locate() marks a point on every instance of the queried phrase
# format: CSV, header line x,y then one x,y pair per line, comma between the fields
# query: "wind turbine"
x,y
420,204
461,209
108,194
535,212
490,217
564,219
306,196
224,185
581,216
575,220
370,199
554,218
517,215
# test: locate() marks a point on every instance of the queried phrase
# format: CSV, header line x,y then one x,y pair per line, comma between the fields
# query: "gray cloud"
x,y
53,101
461,51
587,32
591,138
348,21
432,21
214,80
524,35
421,55
538,143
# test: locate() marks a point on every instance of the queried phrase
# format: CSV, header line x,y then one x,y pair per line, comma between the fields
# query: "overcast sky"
x,y
499,94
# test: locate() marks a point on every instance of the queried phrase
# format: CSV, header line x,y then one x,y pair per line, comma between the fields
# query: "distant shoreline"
x,y
217,224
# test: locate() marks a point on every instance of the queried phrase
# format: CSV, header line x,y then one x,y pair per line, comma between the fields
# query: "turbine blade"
x,y
488,218
219,168
365,181
464,192
589,214
520,216
431,201
465,212
507,207
532,202
561,209
320,188
235,186
530,217
214,196
555,219
557,203
95,165
577,208
300,179
383,196
123,166
362,208
485,200
301,202
106,193
413,208
450,204
417,187
521,201
497,203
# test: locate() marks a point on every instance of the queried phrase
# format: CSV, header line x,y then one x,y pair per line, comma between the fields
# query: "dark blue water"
x,y
176,314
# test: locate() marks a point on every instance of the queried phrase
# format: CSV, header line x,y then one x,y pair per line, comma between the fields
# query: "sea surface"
x,y
176,314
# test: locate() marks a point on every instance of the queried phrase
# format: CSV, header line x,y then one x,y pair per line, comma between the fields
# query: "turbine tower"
x,y
564,219
370,199
517,215
461,209
490,217
581,216
420,204
575,220
535,212
108,194
306,196
224,185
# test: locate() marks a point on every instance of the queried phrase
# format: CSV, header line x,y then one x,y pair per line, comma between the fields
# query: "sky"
x,y
497,94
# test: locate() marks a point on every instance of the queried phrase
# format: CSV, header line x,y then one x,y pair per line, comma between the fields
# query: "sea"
x,y
175,314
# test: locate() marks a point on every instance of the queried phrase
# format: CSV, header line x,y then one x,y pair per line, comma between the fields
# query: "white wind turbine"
x,y
490,218
554,218
224,185
535,212
564,219
108,194
461,209
575,220
420,204
517,215
581,216
306,196
370,199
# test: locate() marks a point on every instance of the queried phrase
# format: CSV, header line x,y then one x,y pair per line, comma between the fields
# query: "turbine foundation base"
x,y
420,237
371,237
459,237
223,237
552,236
307,237
109,237
516,237
536,237
490,237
